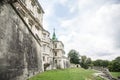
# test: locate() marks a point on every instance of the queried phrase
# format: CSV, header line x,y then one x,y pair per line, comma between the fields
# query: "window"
x,y
55,53
55,45
37,27
38,10
30,22
33,2
43,58
55,61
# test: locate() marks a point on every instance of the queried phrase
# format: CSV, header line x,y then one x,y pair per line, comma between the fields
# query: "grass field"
x,y
115,74
67,74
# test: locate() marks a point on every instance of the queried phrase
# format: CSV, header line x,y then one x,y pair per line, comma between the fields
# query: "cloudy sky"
x,y
91,27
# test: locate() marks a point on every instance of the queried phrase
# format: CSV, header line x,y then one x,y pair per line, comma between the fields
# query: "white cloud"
x,y
92,32
63,2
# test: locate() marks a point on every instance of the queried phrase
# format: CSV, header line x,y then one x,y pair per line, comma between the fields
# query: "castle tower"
x,y
58,52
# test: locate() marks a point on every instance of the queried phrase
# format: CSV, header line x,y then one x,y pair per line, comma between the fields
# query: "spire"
x,y
54,38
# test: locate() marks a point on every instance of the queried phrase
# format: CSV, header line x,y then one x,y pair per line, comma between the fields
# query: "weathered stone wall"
x,y
20,56
7,1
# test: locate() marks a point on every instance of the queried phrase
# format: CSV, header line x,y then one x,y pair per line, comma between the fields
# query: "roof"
x,y
54,38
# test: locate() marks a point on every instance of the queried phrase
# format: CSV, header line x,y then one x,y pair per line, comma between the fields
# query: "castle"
x,y
26,48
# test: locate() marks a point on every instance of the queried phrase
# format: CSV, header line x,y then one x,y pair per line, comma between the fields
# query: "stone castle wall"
x,y
24,43
20,55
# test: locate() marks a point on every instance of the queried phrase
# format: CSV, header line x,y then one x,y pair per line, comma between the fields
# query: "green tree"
x,y
117,59
101,63
74,56
85,62
105,63
115,65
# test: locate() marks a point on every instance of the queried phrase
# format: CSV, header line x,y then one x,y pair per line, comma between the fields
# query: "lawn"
x,y
67,74
115,74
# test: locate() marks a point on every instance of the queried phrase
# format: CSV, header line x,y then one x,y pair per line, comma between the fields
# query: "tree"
x,y
85,62
74,56
101,63
117,59
115,65
105,63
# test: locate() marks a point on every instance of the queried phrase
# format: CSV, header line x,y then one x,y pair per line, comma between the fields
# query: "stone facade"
x,y
53,53
58,49
25,46
47,50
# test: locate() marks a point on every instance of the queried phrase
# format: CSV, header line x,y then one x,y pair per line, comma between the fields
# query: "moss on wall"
x,y
17,46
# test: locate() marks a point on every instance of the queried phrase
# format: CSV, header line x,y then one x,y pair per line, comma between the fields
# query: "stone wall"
x,y
20,55
7,1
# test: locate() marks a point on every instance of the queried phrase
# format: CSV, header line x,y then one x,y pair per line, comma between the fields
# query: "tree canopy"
x,y
101,63
85,62
115,65
74,56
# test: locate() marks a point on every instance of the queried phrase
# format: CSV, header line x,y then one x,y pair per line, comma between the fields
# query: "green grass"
x,y
98,78
115,74
67,74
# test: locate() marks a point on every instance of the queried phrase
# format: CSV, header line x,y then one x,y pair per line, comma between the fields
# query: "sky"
x,y
92,27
